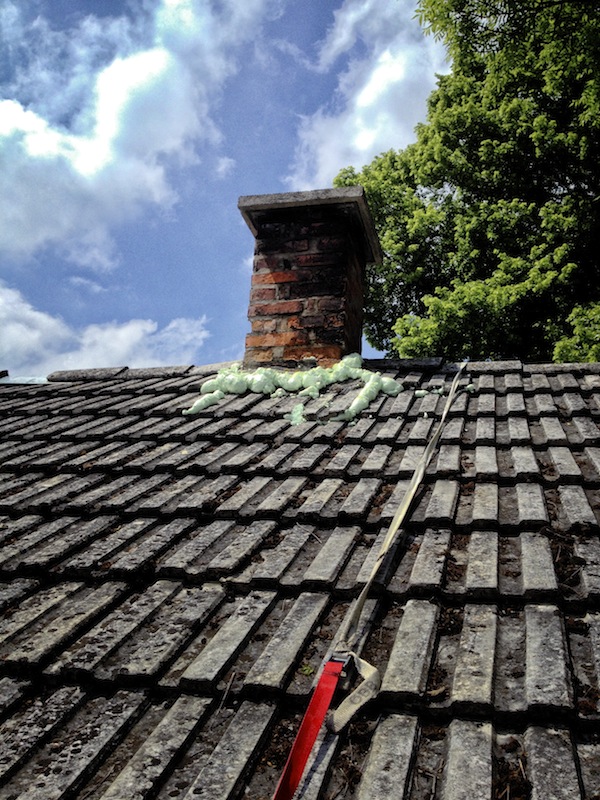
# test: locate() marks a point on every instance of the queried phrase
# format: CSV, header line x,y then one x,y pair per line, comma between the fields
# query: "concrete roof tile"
x,y
158,749
74,749
143,656
35,644
78,375
138,546
332,557
41,556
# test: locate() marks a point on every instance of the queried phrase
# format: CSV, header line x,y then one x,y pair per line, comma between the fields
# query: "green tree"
x,y
490,219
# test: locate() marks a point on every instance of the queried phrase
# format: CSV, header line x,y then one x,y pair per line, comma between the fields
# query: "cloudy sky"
x,y
128,130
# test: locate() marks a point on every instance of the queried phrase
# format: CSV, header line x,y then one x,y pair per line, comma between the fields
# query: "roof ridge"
x,y
125,373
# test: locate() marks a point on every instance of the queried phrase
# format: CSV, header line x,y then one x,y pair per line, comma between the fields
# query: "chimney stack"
x,y
307,290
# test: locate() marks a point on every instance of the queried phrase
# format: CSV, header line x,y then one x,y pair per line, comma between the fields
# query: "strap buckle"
x,y
343,658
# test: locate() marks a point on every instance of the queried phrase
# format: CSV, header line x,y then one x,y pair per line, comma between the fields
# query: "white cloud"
x,y
36,343
27,335
93,287
94,115
225,166
379,98
352,17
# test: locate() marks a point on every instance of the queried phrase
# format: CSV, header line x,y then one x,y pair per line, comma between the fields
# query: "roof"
x,y
171,584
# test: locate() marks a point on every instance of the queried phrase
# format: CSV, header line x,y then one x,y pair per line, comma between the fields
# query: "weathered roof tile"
x,y
279,658
482,567
387,770
210,559
34,644
142,553
469,761
551,763
109,633
409,662
75,749
547,678
156,752
332,557
575,508
222,648
428,568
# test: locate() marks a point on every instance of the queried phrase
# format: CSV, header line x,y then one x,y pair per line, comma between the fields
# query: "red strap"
x,y
309,730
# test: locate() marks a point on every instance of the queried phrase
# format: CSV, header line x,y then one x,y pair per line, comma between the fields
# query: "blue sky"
x,y
128,130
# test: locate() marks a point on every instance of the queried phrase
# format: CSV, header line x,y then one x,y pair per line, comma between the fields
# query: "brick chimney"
x,y
306,295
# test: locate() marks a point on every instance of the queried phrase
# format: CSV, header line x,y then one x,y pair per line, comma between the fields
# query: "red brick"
x,y
262,293
330,244
251,343
282,245
286,323
265,263
317,259
296,322
275,309
306,292
263,355
264,325
309,321
256,340
334,321
325,354
321,286
263,358
330,303
287,276
274,339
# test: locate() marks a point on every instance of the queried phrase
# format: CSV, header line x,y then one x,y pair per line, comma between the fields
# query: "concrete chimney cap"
x,y
353,196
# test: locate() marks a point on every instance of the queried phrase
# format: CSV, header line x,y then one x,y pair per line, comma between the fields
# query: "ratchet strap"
x,y
309,730
349,633
347,639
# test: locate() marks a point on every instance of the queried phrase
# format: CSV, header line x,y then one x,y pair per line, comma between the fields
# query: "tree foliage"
x,y
490,220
